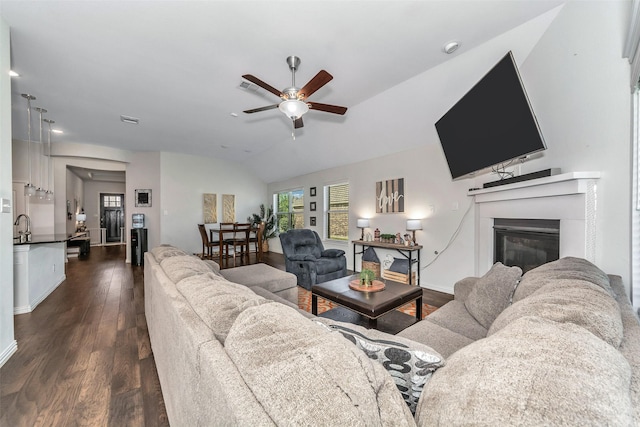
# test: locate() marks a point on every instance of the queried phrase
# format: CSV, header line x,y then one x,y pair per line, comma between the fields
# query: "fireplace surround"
x,y
570,198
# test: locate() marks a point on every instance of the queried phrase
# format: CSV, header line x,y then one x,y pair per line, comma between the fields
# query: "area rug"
x,y
304,302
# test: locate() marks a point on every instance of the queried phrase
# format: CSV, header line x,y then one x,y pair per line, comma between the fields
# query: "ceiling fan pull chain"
x,y
293,129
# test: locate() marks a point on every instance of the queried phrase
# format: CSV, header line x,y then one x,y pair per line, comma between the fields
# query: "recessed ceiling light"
x,y
13,73
450,47
56,131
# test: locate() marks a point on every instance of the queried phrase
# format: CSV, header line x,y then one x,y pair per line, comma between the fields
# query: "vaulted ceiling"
x,y
177,66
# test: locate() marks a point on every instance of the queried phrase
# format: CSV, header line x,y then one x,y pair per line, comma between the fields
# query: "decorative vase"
x,y
265,246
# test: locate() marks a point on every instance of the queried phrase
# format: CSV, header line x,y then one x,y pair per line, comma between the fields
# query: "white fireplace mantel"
x,y
569,197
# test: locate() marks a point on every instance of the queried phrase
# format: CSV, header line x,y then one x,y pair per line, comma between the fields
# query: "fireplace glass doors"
x,y
526,243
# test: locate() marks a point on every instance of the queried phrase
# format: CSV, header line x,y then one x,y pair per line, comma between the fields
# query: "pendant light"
x,y
29,189
40,192
49,195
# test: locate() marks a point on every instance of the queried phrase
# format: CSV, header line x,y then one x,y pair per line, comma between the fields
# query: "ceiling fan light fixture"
x,y
293,108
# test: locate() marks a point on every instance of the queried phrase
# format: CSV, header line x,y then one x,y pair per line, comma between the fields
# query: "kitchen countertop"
x,y
48,238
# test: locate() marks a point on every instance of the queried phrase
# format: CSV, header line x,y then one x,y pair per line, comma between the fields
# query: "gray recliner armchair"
x,y
306,257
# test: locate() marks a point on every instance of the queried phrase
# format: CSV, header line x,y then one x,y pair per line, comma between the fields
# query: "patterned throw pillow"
x,y
410,364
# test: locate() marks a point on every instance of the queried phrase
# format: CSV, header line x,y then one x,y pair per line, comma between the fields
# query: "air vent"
x,y
249,86
130,120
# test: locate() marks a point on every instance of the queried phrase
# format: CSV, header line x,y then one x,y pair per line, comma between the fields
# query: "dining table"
x,y
230,231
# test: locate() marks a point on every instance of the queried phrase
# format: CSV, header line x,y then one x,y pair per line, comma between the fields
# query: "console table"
x,y
405,251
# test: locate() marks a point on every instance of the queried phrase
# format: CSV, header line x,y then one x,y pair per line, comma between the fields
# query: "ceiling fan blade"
x,y
297,123
335,109
320,79
256,110
262,84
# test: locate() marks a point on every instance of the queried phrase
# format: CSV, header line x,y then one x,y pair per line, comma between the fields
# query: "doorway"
x,y
112,215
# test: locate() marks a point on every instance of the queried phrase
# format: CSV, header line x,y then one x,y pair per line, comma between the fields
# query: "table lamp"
x,y
362,224
413,225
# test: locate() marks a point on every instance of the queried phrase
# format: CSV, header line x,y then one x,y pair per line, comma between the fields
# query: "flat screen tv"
x,y
492,124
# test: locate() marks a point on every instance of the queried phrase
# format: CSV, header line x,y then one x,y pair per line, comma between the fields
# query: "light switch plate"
x,y
6,205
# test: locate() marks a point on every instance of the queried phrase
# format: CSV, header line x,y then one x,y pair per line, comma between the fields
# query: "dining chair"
x,y
239,243
207,245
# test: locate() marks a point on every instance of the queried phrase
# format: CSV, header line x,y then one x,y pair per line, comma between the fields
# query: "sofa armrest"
x,y
332,253
301,257
463,288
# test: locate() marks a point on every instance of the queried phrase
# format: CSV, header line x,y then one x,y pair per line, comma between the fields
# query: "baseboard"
x,y
8,352
433,287
33,304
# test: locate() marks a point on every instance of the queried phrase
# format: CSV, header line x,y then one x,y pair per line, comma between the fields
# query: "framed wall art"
x,y
312,192
228,208
312,206
143,198
312,221
210,208
390,196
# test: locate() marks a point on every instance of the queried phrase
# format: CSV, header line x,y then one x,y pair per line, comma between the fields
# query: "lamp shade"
x,y
414,224
363,222
293,108
81,217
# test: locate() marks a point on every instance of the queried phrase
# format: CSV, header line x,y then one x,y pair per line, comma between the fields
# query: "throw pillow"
x,y
491,293
409,363
400,265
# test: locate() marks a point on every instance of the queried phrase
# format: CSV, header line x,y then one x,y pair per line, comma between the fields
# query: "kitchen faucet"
x,y
28,231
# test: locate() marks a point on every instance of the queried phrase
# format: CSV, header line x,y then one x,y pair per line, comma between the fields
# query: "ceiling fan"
x,y
294,100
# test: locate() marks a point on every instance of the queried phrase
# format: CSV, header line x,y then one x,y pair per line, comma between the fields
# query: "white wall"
x,y
74,194
186,178
144,172
429,194
8,343
578,85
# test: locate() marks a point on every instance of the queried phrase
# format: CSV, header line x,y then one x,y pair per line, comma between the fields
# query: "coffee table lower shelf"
x,y
391,323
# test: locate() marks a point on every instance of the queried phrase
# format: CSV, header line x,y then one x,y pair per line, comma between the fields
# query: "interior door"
x,y
112,215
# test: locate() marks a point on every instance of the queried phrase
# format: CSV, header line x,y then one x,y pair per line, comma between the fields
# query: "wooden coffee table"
x,y
366,308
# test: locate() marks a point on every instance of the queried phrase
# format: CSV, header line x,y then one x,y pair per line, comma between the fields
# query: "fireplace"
x,y
526,243
570,198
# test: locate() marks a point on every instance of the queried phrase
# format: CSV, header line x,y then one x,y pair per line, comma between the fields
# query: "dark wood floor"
x,y
84,356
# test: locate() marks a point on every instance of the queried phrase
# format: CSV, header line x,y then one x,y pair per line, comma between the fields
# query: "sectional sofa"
x,y
558,346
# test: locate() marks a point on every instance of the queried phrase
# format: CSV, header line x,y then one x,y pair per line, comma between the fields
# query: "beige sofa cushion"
x,y
564,268
533,372
455,317
217,301
491,293
570,301
166,251
303,374
180,266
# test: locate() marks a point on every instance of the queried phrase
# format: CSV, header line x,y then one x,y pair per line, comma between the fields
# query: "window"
x,y
112,201
290,210
337,206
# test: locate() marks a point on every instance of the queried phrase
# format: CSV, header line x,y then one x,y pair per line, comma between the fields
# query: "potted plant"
x,y
367,277
270,228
